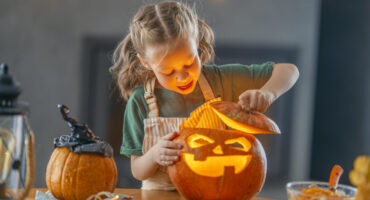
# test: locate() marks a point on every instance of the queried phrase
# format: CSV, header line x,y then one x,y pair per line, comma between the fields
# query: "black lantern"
x,y
16,141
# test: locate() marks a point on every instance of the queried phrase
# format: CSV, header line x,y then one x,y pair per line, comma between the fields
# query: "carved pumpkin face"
x,y
218,153
217,163
222,164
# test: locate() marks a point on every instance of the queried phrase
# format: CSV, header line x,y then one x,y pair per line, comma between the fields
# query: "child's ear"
x,y
143,62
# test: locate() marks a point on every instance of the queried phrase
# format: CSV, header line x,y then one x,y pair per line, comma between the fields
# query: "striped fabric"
x,y
156,127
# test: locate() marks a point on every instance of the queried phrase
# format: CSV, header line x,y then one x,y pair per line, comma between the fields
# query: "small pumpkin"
x,y
81,164
77,176
218,163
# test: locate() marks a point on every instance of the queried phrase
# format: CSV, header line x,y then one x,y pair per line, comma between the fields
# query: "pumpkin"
x,y
81,164
78,175
217,163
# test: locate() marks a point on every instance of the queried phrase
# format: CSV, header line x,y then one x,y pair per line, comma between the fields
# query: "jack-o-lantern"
x,y
216,163
81,164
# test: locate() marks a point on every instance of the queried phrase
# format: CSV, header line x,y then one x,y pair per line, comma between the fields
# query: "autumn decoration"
x,y
81,164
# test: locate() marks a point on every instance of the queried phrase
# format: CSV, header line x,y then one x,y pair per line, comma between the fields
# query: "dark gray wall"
x,y
341,123
42,42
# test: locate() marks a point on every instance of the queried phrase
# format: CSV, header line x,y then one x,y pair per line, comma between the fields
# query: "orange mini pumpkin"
x,y
81,164
77,176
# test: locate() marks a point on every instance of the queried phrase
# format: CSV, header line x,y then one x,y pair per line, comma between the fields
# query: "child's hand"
x,y
166,152
256,100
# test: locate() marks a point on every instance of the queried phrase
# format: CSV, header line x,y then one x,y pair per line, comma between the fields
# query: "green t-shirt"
x,y
227,81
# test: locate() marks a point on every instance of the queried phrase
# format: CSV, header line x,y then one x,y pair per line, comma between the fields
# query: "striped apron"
x,y
156,127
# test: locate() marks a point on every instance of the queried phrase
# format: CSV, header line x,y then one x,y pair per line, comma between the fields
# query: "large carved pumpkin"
x,y
81,164
218,163
78,175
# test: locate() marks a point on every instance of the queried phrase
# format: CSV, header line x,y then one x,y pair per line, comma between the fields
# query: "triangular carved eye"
x,y
196,140
240,143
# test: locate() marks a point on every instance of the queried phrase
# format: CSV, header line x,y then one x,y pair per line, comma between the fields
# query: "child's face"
x,y
176,67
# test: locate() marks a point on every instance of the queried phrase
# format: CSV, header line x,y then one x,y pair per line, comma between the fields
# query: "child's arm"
x,y
283,77
165,153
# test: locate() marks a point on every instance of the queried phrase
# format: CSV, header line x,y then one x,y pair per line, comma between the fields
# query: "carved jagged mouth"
x,y
214,166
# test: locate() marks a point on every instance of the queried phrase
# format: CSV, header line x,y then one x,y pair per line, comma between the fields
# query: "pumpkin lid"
x,y
81,139
246,121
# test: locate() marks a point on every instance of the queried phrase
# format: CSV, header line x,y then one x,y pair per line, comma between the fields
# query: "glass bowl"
x,y
294,191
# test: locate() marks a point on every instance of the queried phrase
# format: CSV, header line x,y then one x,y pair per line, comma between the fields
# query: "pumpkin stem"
x,y
64,110
79,132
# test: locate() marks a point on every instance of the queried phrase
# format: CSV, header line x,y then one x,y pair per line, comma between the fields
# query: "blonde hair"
x,y
157,24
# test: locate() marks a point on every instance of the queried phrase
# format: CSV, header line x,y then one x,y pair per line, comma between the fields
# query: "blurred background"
x,y
60,52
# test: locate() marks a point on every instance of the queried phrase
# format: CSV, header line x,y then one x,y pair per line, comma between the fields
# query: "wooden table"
x,y
137,194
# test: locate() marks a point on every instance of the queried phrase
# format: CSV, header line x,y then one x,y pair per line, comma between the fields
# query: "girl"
x,y
160,67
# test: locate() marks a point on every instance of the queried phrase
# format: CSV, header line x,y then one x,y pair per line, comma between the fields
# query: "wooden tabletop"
x,y
137,194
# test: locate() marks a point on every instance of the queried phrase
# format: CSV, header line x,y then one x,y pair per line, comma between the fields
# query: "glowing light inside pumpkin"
x,y
196,140
218,150
214,166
